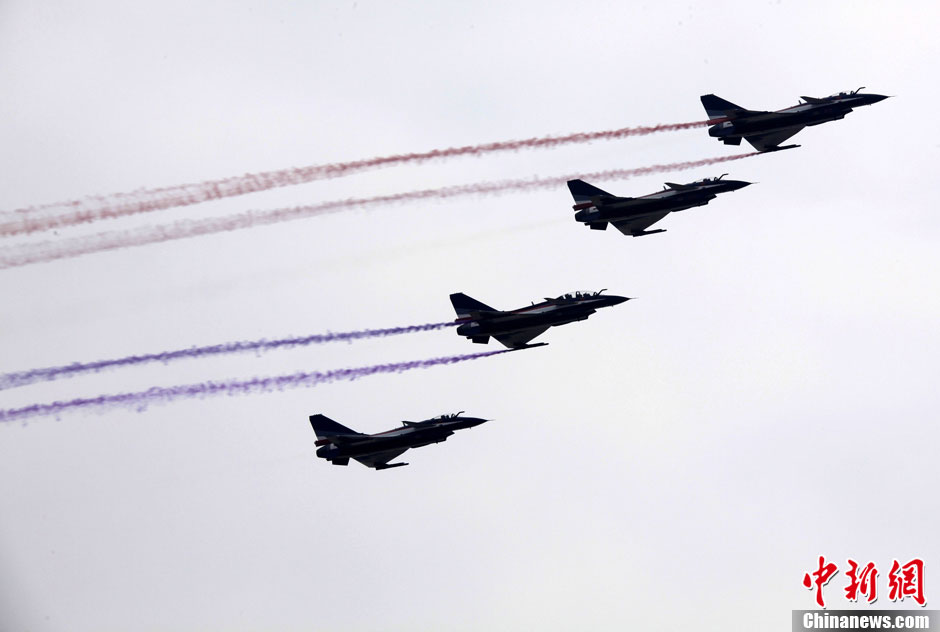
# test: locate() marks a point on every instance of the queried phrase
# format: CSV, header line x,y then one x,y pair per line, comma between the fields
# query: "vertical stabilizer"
x,y
719,108
326,427
464,305
581,191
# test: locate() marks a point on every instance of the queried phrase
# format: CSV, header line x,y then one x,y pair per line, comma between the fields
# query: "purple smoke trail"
x,y
165,395
145,200
52,250
22,378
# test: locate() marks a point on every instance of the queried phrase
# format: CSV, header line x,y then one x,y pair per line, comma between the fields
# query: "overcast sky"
x,y
677,461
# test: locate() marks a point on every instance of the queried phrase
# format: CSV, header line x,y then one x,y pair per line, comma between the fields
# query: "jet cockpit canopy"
x,y
576,295
707,180
846,94
444,417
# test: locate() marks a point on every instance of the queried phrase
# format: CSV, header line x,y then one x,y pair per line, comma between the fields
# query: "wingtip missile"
x,y
388,466
538,344
641,233
767,151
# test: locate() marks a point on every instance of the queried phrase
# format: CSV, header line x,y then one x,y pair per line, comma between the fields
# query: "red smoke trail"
x,y
164,395
52,250
90,209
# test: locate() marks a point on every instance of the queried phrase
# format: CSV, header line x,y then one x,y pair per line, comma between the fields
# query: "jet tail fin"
x,y
581,191
465,306
326,427
717,108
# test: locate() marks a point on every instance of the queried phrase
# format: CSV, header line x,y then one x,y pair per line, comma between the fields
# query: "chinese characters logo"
x,y
903,581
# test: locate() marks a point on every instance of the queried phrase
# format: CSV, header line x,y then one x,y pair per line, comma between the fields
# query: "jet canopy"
x,y
576,295
845,94
692,185
433,420
708,180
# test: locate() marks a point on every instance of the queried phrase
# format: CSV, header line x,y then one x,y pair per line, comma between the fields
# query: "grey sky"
x,y
771,396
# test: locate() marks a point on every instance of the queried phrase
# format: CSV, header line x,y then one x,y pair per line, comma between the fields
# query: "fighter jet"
x,y
338,443
632,216
766,130
517,327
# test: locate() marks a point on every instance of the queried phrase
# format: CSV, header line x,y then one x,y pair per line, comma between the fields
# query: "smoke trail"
x,y
144,200
164,395
52,250
22,378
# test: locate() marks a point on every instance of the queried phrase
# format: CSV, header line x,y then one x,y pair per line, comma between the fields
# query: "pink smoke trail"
x,y
48,374
144,200
52,250
164,395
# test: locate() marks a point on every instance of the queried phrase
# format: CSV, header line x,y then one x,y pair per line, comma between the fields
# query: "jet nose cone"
x,y
616,300
871,99
474,421
734,185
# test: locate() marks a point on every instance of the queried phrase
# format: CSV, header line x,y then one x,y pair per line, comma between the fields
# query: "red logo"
x,y
822,575
909,582
865,582
903,581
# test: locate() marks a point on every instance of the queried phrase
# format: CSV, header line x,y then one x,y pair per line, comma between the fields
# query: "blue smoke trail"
x,y
164,395
22,378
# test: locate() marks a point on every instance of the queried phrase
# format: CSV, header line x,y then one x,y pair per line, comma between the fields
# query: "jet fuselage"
x,y
742,123
675,198
343,444
549,313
